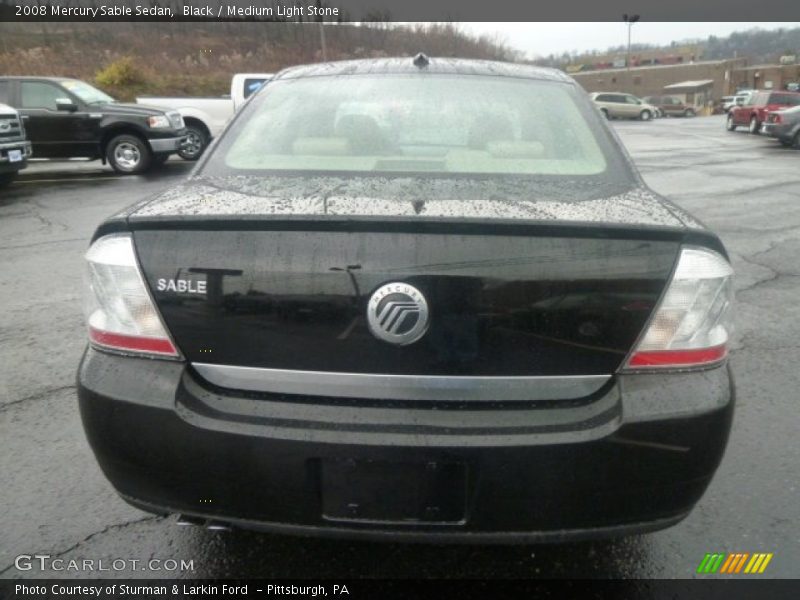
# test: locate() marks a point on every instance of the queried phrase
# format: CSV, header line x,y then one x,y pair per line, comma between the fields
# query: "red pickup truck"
x,y
754,111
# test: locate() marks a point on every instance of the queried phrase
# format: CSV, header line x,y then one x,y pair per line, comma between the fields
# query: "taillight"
x,y
693,322
120,312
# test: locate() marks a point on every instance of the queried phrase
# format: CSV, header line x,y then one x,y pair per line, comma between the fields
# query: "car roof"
x,y
406,65
37,77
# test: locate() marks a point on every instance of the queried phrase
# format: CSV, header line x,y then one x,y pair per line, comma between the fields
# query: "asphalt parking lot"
x,y
55,500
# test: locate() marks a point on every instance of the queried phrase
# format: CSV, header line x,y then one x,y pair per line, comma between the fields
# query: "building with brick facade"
x,y
728,76
650,80
766,77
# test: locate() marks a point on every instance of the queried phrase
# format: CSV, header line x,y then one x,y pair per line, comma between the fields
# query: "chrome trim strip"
x,y
401,387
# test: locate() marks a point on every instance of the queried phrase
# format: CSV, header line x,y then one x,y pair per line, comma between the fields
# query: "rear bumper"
x,y
780,131
5,163
636,457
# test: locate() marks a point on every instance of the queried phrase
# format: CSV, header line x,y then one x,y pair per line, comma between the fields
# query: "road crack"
x,y
37,396
774,274
33,245
38,210
115,526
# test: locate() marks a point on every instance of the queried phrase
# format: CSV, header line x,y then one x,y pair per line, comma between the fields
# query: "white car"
x,y
205,118
728,102
245,85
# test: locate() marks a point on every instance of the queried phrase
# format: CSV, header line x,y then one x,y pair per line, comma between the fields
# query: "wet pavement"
x,y
56,501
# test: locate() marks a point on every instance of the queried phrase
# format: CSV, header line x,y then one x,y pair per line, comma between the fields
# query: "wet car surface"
x,y
59,503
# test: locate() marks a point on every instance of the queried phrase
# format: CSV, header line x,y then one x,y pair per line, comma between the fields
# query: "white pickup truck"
x,y
205,118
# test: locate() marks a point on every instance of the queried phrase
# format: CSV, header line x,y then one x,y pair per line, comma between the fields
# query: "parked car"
x,y
784,125
671,106
415,299
728,102
623,106
206,117
754,111
15,149
245,85
68,118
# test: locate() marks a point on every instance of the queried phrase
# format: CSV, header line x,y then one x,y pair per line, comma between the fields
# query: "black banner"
x,y
395,10
132,589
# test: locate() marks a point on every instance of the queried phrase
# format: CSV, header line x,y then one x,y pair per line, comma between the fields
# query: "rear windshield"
x,y
252,85
786,99
416,124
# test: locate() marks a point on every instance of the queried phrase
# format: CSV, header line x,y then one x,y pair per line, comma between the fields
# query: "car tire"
x,y
796,141
754,127
645,115
605,114
128,154
7,178
689,112
730,124
196,145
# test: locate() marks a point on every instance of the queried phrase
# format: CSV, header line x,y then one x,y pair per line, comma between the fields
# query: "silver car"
x,y
623,106
784,125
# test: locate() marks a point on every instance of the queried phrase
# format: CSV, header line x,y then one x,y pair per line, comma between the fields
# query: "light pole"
x,y
629,21
322,39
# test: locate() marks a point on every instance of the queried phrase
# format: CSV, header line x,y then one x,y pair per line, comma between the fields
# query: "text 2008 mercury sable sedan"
x,y
417,299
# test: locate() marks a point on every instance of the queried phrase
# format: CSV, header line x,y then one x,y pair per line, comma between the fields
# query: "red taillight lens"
x,y
693,323
131,342
661,358
120,313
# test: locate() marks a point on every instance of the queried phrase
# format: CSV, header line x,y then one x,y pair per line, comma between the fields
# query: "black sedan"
x,y
413,299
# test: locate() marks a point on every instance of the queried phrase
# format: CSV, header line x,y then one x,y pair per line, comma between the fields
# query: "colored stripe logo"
x,y
734,563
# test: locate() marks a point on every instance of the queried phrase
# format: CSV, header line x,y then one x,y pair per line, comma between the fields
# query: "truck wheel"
x,y
645,115
689,112
754,126
127,154
195,145
7,178
730,124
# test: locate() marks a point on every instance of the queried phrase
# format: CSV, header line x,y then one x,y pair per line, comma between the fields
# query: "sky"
x,y
541,39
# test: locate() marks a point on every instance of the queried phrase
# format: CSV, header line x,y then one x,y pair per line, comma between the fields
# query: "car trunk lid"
x,y
550,301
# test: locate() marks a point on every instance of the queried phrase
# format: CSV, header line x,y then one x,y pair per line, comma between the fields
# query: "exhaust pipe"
x,y
217,526
211,525
185,520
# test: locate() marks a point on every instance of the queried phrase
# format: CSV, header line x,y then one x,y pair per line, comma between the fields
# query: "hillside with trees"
x,y
758,45
191,58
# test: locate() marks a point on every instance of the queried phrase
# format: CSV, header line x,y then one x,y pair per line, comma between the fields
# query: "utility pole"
x,y
322,40
322,44
629,21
